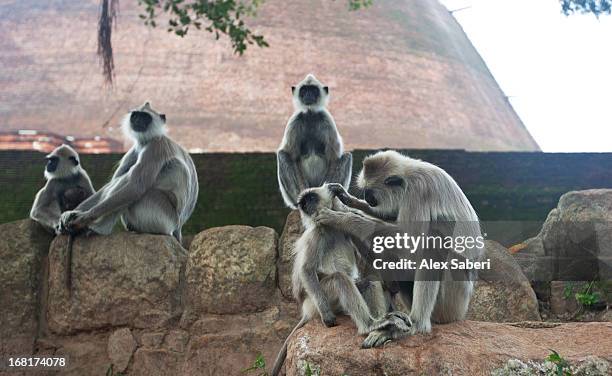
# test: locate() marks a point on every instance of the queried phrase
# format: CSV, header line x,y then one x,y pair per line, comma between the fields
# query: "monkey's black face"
x,y
309,94
309,203
52,163
140,121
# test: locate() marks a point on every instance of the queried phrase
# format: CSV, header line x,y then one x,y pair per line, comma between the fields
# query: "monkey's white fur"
x,y
312,151
325,273
154,189
421,195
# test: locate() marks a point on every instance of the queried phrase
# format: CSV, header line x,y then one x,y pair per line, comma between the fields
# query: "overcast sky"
x,y
557,70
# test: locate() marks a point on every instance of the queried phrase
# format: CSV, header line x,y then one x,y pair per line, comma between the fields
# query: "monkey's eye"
x,y
292,89
394,181
326,89
163,117
74,161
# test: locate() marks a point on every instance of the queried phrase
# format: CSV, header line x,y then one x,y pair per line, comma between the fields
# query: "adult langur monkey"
x,y
154,189
67,186
311,152
418,198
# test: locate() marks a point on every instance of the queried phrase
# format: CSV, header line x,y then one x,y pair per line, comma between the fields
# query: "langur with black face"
x,y
154,189
68,185
312,151
325,277
415,197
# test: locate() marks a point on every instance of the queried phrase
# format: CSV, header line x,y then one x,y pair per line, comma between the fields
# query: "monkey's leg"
x,y
453,301
104,225
374,296
424,301
290,179
340,172
341,290
152,214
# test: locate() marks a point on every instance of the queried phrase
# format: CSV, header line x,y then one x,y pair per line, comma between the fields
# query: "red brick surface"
x,y
401,74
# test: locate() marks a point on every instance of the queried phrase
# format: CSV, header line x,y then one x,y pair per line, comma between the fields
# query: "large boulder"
x,y
23,247
461,348
231,269
291,232
124,279
502,293
578,235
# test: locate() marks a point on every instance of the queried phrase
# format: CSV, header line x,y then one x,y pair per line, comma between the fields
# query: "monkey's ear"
x,y
394,181
326,89
74,160
292,89
163,117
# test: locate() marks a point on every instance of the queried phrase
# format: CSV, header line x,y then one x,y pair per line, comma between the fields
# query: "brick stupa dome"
x,y
401,74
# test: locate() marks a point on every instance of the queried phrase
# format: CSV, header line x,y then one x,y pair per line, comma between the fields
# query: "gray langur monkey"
x,y
325,276
415,197
154,189
311,152
67,186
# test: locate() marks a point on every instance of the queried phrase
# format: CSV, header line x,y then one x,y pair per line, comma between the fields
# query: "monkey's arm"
x,y
351,201
310,281
357,225
290,178
128,188
46,209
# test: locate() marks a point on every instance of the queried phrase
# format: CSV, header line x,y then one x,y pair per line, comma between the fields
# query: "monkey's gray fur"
x,y
68,185
325,273
154,189
411,196
311,152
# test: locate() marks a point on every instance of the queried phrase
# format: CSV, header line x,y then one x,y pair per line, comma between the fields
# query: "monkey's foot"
x,y
380,337
396,319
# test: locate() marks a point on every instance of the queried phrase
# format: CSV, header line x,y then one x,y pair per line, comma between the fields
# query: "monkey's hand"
x,y
393,325
74,220
328,217
338,190
329,319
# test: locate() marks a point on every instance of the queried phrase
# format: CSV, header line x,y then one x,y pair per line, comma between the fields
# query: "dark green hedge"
x,y
242,188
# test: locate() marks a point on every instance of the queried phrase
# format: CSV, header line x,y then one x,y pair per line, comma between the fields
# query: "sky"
x,y
557,70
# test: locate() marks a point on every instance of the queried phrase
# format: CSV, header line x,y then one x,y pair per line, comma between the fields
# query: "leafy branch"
x,y
219,17
597,7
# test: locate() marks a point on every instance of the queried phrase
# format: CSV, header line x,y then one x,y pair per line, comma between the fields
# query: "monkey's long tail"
x,y
282,354
68,264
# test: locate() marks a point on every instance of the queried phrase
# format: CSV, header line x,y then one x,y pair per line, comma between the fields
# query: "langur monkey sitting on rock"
x,y
414,197
67,186
154,189
312,151
325,275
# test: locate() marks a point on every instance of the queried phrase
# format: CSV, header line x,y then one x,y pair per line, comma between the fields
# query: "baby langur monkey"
x,y
67,186
325,273
311,152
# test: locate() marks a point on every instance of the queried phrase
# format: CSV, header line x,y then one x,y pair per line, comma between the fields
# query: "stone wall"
x,y
242,188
